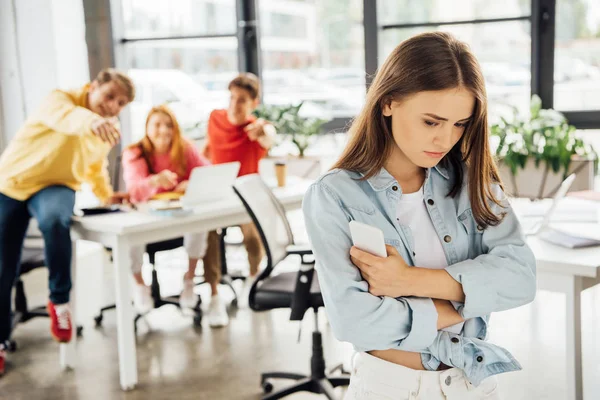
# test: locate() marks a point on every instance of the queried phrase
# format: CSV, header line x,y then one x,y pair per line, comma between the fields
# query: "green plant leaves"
x,y
544,136
287,121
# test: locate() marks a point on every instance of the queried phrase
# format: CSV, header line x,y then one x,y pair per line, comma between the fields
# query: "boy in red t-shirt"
x,y
235,134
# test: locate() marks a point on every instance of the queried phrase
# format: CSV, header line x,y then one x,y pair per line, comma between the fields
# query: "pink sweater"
x,y
137,176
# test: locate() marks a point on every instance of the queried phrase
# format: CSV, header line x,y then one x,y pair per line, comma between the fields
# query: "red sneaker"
x,y
60,322
2,360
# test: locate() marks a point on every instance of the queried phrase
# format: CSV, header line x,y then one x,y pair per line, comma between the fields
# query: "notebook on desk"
x,y
568,240
167,196
99,210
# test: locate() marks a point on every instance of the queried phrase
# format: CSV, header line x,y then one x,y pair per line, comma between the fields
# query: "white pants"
x,y
376,379
195,245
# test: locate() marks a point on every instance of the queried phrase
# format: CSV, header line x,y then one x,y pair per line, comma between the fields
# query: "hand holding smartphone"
x,y
368,238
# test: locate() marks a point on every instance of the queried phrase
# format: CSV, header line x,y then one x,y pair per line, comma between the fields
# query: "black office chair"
x,y
298,291
31,259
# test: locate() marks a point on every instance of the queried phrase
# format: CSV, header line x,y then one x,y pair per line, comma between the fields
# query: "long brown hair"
x,y
428,62
177,153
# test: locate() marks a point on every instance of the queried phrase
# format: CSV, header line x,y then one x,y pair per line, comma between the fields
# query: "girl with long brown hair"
x,y
418,166
160,162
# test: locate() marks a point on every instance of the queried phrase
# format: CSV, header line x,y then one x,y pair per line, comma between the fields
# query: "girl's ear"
x,y
387,106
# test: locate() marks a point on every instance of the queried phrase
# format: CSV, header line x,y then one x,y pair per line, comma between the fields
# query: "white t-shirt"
x,y
429,253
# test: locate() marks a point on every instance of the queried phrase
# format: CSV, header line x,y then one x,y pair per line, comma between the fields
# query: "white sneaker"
x,y
188,299
142,299
217,313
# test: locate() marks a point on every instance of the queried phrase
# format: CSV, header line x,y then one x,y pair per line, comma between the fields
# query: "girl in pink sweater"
x,y
162,162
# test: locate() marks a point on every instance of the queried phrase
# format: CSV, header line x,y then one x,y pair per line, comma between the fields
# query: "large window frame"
x,y
543,27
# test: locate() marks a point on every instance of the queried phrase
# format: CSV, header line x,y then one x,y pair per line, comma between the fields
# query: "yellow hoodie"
x,y
56,146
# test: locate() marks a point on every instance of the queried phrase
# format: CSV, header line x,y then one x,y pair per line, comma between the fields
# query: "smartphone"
x,y
368,238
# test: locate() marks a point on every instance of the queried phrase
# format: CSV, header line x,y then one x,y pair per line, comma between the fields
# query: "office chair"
x,y
32,257
297,291
159,301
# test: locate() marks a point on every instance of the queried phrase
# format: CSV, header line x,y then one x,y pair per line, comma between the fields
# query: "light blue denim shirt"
x,y
494,265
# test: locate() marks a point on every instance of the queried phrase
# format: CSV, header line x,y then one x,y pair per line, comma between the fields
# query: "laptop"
x,y
210,184
533,226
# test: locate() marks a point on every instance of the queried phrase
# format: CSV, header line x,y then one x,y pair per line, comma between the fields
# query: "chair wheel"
x,y
98,319
198,319
79,331
267,387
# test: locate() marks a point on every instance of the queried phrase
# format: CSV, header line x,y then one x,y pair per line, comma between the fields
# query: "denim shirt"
x,y
494,265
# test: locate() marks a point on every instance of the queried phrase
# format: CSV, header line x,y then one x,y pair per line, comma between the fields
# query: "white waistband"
x,y
366,366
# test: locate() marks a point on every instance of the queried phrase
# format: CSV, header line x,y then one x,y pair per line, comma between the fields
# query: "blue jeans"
x,y
52,207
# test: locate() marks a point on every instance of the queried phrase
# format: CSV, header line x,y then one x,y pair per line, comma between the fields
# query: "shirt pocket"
x,y
489,388
474,232
358,210
393,242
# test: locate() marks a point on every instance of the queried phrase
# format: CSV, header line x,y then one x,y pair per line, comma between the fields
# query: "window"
x,y
313,51
426,11
497,32
159,18
179,53
577,55
184,74
284,25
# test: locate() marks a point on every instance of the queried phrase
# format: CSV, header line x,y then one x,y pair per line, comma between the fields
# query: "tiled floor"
x,y
177,361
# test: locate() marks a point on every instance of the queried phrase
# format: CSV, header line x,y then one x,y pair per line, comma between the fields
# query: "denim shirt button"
x,y
395,188
479,359
448,380
430,202
454,340
447,238
479,228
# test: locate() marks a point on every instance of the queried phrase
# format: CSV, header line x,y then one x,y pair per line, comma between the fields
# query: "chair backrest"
x,y
116,178
268,215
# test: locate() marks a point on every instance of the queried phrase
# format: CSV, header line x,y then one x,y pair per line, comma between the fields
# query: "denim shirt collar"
x,y
383,179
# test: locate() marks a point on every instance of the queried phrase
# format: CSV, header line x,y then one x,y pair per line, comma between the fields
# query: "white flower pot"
x,y
528,181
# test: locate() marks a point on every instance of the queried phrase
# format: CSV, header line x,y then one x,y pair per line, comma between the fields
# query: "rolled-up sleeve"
x,y
137,177
502,278
356,316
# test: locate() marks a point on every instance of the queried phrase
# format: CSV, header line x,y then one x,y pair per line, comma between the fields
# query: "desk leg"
x,y
574,359
125,328
67,350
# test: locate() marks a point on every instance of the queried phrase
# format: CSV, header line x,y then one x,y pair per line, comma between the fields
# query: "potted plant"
x,y
298,130
541,148
290,124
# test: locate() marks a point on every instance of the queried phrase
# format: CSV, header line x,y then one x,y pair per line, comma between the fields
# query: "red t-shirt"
x,y
228,143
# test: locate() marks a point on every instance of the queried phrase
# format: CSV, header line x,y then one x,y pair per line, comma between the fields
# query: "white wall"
x,y
11,93
42,47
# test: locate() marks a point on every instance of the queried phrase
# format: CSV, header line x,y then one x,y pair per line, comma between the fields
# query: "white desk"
x,y
120,231
569,271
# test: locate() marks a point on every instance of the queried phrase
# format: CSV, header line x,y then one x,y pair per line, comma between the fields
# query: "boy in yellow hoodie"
x,y
63,143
